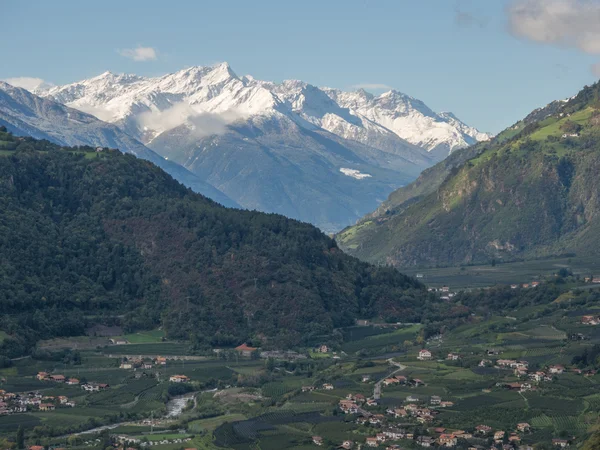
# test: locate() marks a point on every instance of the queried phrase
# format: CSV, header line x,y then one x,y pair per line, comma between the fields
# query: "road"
x,y
377,388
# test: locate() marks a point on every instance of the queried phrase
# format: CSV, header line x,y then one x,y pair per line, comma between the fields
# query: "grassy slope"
x,y
529,193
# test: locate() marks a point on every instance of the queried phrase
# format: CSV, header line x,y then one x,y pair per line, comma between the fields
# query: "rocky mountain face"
x,y
277,147
26,114
533,191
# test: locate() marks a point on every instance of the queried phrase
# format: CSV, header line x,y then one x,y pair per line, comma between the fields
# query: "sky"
x,y
488,61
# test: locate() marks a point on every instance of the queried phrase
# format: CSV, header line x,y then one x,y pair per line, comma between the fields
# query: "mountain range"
x,y
26,114
532,191
315,154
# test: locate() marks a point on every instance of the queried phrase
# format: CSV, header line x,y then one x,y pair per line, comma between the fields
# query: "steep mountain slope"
x,y
241,134
26,114
533,191
88,234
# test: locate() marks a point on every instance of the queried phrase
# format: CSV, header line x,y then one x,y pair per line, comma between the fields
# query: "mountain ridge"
x,y
26,114
528,193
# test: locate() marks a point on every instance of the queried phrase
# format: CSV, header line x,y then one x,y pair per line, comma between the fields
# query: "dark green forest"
x,y
92,236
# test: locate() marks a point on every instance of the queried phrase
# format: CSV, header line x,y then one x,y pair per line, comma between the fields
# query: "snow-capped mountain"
x,y
26,114
150,106
411,119
276,147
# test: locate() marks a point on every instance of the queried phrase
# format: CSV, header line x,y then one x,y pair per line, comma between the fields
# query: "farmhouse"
x,y
57,378
523,427
72,381
42,376
499,436
245,350
328,386
425,441
560,442
47,407
424,355
366,378
308,388
483,429
347,445
447,440
317,440
125,365
557,369
323,349
161,360
372,442
178,379
590,320
436,400
453,357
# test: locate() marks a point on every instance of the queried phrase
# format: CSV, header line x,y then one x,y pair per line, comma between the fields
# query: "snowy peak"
x,y
146,107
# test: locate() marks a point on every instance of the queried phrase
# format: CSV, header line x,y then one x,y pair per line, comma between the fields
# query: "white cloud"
x,y
563,23
139,53
29,83
567,23
371,86
201,123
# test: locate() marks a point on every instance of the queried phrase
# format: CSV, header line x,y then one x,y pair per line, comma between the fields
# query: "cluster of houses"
x,y
590,320
12,403
441,437
57,378
404,381
128,440
595,280
143,363
533,284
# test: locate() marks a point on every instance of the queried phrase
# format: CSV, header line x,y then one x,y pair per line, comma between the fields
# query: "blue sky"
x,y
456,55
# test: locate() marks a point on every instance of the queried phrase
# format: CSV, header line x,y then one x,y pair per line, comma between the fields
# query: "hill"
x,y
530,192
103,237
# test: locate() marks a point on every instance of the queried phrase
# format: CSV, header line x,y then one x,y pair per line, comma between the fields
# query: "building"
x,y
424,354
57,378
435,400
499,436
42,376
328,386
483,429
560,442
178,379
47,407
323,349
447,440
453,357
347,445
372,442
425,441
366,378
317,440
557,369
125,365
72,381
245,350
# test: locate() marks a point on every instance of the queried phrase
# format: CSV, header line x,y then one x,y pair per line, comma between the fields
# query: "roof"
x,y
245,348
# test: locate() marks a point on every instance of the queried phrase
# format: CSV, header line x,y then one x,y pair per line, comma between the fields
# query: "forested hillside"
x,y
101,237
532,192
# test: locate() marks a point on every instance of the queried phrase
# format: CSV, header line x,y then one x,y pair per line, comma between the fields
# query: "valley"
x,y
524,376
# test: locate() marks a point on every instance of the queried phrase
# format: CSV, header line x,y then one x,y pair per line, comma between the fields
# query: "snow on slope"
x,y
26,114
208,99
